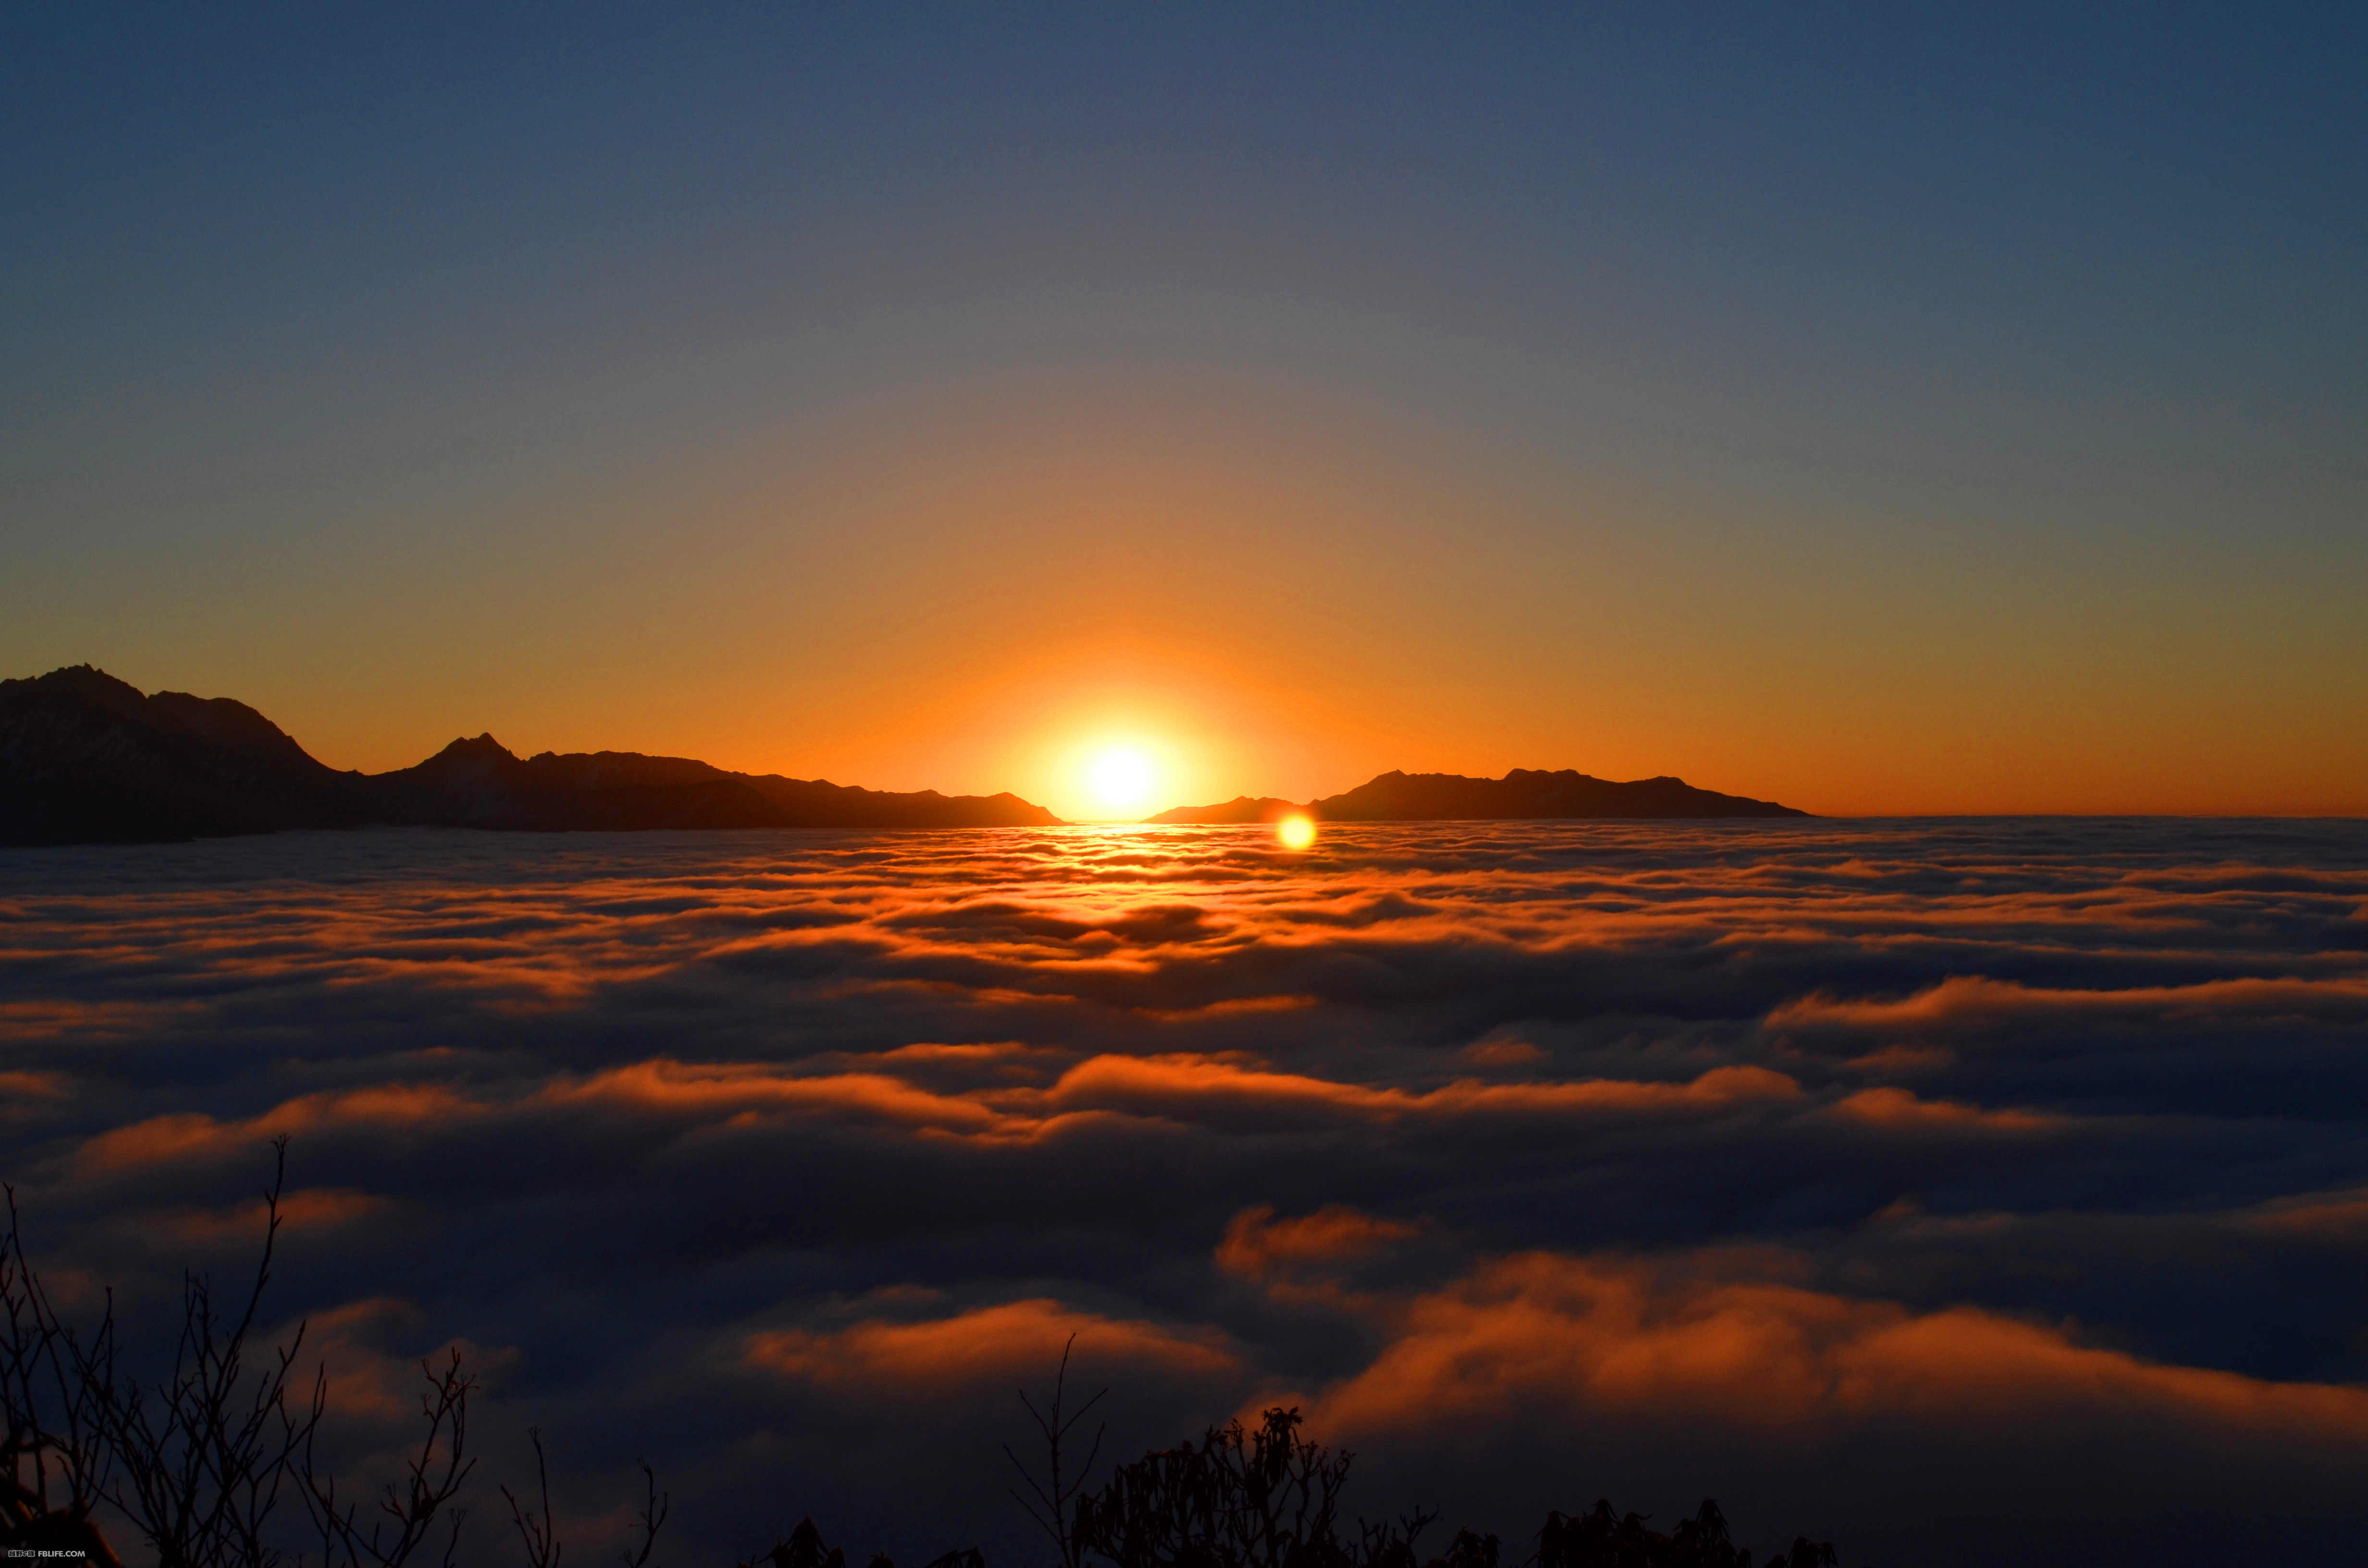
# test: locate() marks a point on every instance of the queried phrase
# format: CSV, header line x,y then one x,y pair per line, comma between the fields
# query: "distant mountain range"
x,y
85,759
1522,795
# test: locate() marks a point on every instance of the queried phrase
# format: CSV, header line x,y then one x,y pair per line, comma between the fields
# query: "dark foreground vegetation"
x,y
213,1465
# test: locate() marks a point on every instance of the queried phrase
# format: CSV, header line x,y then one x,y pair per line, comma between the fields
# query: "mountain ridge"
x,y
85,759
1522,795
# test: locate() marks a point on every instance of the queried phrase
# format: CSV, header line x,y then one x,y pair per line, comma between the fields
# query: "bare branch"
x,y
432,1478
652,1518
1050,1496
203,1455
535,1529
53,1458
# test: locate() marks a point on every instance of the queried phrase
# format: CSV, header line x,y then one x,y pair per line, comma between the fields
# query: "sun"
x,y
1121,778
1295,832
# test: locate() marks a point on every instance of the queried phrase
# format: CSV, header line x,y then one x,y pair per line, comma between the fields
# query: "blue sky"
x,y
390,368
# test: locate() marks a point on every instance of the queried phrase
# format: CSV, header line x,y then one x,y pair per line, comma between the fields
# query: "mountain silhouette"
x,y
1522,795
85,759
480,783
1240,809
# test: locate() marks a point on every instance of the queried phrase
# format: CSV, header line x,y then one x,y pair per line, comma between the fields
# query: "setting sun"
x,y
1296,832
1122,779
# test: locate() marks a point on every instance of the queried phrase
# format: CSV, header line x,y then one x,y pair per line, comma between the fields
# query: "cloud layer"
x,y
1861,1174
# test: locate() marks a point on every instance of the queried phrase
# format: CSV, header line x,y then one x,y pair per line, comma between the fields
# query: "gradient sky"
x,y
1882,410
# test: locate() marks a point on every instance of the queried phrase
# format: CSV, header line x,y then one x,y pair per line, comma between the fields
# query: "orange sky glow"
x,y
1265,586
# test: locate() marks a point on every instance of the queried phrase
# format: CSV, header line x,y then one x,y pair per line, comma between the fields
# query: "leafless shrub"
x,y
53,1467
534,1527
1241,1498
539,1535
1391,1543
1603,1539
201,1461
804,1549
653,1516
198,1462
201,1456
406,1512
1056,1489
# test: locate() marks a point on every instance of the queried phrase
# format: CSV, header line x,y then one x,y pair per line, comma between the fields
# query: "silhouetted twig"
x,y
653,1514
204,1454
1055,1491
432,1479
534,1525
53,1456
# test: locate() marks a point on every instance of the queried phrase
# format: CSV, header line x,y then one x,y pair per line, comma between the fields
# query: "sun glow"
x,y
1296,832
1122,779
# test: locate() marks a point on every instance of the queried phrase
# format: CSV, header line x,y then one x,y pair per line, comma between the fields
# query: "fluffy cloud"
x,y
785,1158
1572,1339
998,1347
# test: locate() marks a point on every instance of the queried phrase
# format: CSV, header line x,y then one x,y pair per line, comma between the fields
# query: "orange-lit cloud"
x,y
300,1210
2333,1219
1972,1001
1191,1086
1896,1109
188,1135
1255,1239
1869,1095
1503,1053
673,1087
1577,1339
371,1349
22,1087
996,1345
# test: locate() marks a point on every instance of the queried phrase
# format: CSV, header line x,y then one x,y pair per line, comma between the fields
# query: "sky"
x,y
1882,410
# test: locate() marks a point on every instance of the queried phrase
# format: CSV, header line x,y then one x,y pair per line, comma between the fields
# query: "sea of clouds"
x,y
1960,1191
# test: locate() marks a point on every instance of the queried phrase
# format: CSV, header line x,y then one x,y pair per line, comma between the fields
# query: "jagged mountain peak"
x,y
86,758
